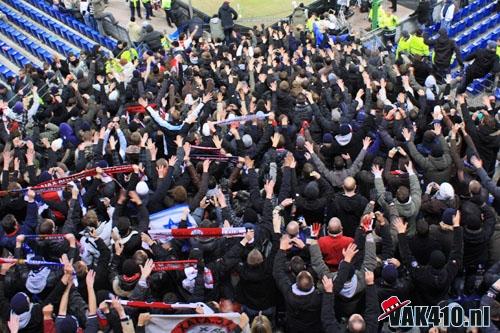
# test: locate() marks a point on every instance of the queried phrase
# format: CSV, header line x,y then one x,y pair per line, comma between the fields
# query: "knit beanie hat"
x,y
327,138
18,107
142,188
311,191
68,324
437,150
448,215
250,216
130,270
445,192
20,303
389,273
437,260
247,140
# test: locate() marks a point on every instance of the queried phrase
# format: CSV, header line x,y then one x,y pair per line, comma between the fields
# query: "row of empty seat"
x,y
13,55
5,72
73,23
461,18
36,32
468,22
25,42
53,25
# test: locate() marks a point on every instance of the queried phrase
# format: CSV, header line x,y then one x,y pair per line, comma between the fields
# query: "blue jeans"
x,y
446,24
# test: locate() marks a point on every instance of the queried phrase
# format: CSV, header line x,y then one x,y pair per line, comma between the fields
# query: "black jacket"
x,y
227,15
444,48
487,145
485,61
432,285
152,38
423,12
250,291
349,210
330,323
302,311
476,241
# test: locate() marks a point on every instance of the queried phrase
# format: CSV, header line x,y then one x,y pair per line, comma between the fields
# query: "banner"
x,y
197,232
170,218
219,323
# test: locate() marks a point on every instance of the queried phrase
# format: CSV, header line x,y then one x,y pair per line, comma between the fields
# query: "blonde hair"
x,y
261,324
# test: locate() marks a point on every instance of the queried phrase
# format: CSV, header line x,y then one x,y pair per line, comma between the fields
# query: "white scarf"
x,y
191,273
37,281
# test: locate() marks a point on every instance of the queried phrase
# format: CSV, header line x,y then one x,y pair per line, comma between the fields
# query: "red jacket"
x,y
331,247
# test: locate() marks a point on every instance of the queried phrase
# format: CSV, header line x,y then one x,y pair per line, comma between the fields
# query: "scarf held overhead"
x,y
197,232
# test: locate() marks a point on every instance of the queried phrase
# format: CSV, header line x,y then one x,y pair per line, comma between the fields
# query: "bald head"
x,y
349,184
292,229
334,226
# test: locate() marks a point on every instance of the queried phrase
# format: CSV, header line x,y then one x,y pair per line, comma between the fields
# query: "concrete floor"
x,y
359,22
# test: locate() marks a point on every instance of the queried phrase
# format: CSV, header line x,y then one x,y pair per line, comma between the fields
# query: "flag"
x,y
170,218
318,35
221,322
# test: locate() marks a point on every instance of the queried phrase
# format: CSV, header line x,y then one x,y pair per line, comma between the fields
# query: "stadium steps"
x,y
37,30
27,42
67,19
21,49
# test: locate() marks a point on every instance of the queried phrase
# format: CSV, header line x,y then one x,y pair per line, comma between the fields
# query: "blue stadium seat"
x,y
48,39
72,22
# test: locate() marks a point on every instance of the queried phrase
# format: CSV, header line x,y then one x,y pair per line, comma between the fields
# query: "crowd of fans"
x,y
358,174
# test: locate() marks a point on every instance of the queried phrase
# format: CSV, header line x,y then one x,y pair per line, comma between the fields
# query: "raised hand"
x,y
376,170
90,278
327,284
349,252
400,225
315,228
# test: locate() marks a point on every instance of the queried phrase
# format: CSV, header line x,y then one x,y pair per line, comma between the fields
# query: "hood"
x,y
439,163
225,6
406,209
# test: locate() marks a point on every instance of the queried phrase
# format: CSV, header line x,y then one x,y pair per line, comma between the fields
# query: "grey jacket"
x,y
336,177
409,210
435,169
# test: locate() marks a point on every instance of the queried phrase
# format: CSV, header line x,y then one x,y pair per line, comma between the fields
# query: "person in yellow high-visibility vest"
x,y
418,46
129,54
403,44
166,5
310,22
148,8
135,6
388,23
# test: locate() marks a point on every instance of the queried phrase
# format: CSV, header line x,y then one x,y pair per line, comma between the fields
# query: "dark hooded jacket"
x,y
432,283
444,47
152,38
485,61
227,16
302,311
349,210
486,143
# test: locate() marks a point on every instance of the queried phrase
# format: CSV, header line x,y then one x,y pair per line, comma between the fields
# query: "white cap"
x,y
142,188
56,144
